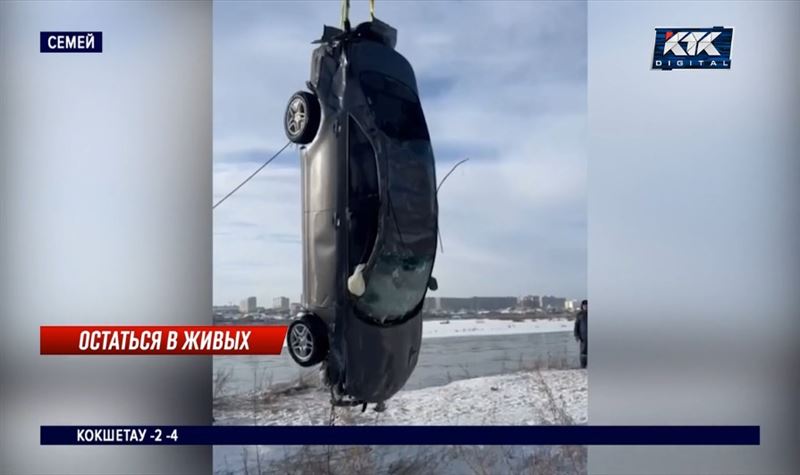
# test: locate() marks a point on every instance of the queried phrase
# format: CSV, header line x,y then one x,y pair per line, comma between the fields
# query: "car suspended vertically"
x,y
370,215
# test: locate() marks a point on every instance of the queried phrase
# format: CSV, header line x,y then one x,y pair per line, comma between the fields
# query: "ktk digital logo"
x,y
693,48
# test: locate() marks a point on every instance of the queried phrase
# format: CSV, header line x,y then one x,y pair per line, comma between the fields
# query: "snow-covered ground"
x,y
552,396
523,398
487,326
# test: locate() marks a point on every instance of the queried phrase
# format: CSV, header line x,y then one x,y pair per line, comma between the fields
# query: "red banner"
x,y
161,340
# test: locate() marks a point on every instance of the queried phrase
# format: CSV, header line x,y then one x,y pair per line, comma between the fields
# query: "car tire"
x,y
301,120
307,340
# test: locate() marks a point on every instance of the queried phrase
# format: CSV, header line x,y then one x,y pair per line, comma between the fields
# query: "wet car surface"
x,y
370,214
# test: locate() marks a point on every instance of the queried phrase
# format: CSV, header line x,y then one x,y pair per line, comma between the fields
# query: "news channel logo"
x,y
692,48
70,41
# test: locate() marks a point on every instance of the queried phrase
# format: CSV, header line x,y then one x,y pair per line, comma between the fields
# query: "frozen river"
x,y
441,360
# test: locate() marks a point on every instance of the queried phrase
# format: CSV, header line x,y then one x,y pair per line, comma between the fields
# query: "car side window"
x,y
363,197
398,112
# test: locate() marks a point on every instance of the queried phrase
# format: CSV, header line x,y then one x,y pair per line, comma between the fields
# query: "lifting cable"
x,y
346,26
346,13
439,231
448,174
251,175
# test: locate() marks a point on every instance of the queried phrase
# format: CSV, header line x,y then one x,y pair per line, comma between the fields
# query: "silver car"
x,y
370,215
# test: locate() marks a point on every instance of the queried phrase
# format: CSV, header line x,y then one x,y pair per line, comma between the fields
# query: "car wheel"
x,y
307,341
301,120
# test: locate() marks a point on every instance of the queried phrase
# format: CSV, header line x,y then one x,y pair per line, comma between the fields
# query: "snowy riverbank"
x,y
523,398
527,397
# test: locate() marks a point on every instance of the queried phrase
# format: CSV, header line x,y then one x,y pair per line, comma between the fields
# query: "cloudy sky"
x,y
501,83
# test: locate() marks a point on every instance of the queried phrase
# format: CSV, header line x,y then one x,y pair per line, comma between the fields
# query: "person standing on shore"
x,y
582,331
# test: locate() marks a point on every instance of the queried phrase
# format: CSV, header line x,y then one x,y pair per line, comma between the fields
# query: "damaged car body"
x,y
370,214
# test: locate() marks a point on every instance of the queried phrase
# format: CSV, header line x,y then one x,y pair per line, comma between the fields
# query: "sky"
x,y
503,84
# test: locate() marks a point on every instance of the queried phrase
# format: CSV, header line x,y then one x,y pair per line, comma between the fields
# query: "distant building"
x,y
454,304
554,303
248,305
280,303
530,301
431,304
468,304
294,308
225,312
225,309
494,303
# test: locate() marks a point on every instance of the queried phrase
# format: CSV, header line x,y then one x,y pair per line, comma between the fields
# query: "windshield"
x,y
397,109
398,278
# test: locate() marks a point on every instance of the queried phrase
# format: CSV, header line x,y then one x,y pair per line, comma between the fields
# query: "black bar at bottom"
x,y
400,435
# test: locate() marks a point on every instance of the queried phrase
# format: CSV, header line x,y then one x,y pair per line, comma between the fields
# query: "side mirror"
x,y
433,284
